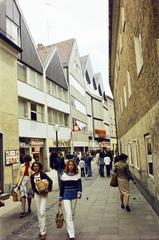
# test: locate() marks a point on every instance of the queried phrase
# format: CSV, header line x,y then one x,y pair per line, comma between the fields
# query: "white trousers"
x,y
68,205
41,202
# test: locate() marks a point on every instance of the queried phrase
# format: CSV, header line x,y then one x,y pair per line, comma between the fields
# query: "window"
x,y
135,154
35,79
87,77
57,91
37,112
13,31
130,154
125,97
23,108
122,17
121,104
129,83
21,72
76,85
120,43
56,117
148,147
138,52
78,105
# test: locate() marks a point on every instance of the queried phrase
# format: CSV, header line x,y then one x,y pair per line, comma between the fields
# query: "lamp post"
x,y
57,142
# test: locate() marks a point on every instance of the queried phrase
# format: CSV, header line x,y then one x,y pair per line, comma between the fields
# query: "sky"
x,y
52,21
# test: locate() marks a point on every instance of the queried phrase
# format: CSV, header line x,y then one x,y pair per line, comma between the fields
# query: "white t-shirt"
x,y
107,160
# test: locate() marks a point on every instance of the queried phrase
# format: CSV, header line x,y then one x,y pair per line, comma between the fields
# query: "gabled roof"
x,y
64,49
53,66
45,53
83,60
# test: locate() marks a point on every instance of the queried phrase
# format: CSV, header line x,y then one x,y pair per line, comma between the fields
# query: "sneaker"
x,y
128,209
72,238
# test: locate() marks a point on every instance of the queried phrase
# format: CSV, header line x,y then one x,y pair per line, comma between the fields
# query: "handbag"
x,y
114,180
59,219
42,185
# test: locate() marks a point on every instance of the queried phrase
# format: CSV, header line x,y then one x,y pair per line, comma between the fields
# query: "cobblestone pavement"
x,y
98,216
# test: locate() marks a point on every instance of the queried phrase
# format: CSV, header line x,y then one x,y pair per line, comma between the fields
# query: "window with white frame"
x,y
76,85
135,154
57,117
148,148
35,79
21,72
23,108
121,104
56,91
138,52
129,83
37,112
125,96
120,43
13,31
78,105
130,154
122,19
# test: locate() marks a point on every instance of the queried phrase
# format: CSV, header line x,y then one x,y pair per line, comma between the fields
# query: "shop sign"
x,y
36,149
61,143
37,142
11,157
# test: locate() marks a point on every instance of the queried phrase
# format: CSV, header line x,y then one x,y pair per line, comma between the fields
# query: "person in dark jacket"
x,y
121,168
41,196
57,162
70,191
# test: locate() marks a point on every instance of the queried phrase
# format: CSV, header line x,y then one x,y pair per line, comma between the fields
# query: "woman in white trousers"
x,y
40,197
70,191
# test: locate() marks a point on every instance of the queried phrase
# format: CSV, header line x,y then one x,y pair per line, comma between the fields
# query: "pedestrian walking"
x,y
101,162
88,163
82,167
57,162
70,191
124,176
107,162
24,185
39,178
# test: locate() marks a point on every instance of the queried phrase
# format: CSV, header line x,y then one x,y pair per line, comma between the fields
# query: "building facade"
x,y
134,74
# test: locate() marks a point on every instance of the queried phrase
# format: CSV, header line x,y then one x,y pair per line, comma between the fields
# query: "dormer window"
x,y
87,78
13,31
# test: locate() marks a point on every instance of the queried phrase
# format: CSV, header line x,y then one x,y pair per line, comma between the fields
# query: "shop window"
x,y
148,148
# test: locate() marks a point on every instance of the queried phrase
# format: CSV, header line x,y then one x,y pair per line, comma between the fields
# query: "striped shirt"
x,y
70,186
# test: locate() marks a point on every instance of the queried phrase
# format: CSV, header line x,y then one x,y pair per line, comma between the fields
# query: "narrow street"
x,y
98,216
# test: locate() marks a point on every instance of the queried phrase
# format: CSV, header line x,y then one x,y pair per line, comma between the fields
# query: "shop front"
x,y
33,147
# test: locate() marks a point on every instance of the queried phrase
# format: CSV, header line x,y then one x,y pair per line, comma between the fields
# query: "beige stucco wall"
x,y
8,104
147,124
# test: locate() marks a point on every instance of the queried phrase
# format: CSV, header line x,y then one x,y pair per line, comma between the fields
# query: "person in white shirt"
x,y
107,162
82,167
